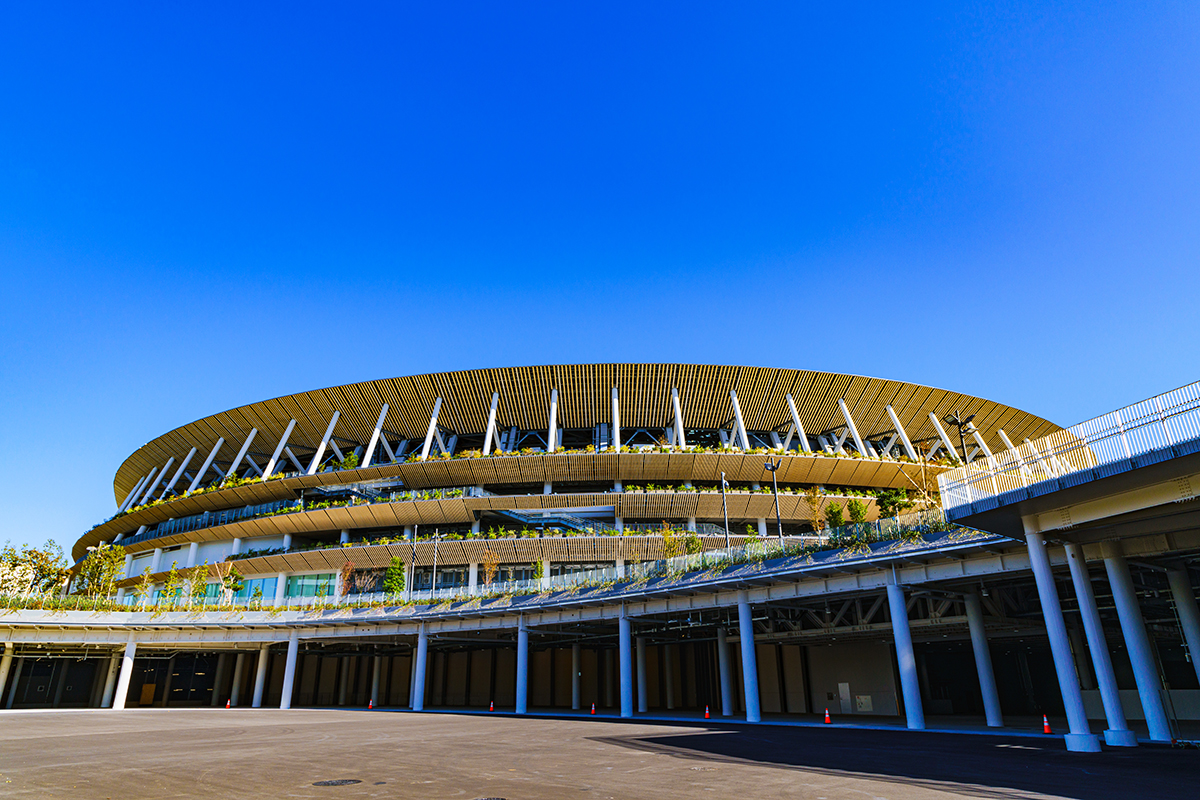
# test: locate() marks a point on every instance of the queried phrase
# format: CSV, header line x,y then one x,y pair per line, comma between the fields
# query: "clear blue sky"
x,y
205,204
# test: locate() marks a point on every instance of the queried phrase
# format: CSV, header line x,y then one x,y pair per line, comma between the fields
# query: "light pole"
x,y
772,467
953,419
725,509
433,581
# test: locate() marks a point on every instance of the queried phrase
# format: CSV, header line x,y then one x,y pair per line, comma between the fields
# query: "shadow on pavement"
x,y
972,766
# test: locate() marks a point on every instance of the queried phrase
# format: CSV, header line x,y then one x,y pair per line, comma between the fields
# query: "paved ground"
x,y
157,753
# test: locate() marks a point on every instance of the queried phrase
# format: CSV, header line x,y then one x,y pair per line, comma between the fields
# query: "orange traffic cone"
x,y
706,712
370,704
227,702
593,708
827,719
1045,724
492,706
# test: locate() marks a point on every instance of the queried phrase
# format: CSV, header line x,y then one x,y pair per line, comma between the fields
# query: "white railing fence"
x,y
1156,429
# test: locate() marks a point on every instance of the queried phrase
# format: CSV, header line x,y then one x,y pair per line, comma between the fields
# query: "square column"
x,y
110,681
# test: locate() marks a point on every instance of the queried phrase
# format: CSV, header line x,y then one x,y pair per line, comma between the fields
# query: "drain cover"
x,y
339,782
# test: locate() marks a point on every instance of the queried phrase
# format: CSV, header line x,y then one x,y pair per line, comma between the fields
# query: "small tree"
x,y
692,543
173,583
17,578
539,569
98,572
857,510
812,496
198,583
145,587
231,583
491,567
393,577
834,516
345,579
672,545
893,502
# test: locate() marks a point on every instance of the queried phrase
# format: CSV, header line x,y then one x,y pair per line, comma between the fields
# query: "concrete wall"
x,y
867,668
1182,704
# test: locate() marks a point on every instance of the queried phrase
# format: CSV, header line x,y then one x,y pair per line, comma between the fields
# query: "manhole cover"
x,y
339,782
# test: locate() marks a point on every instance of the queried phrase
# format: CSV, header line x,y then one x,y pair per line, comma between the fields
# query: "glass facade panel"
x,y
311,585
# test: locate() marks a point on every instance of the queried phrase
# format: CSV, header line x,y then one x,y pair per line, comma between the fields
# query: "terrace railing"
x,y
1162,427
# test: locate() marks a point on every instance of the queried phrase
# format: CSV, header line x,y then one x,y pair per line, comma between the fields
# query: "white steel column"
x,y
260,674
576,668
375,669
289,670
420,661
376,432
110,681
749,659
909,450
489,434
235,691
1185,606
12,690
726,676
118,702
472,578
941,432
1080,738
616,421
178,473
437,406
156,561
193,552
983,661
136,488
858,441
552,434
207,463
1141,653
154,485
316,459
283,440
522,666
906,662
797,428
1118,733
280,589
641,675
625,646
680,438
737,418
241,453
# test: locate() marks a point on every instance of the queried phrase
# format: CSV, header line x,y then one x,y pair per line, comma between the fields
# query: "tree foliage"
x,y
834,515
98,573
892,502
393,578
32,569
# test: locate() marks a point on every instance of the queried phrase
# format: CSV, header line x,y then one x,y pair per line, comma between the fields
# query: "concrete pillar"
x,y
624,648
235,692
1083,663
726,672
762,527
1118,733
619,524
1141,654
6,664
16,677
522,667
287,541
417,701
983,662
122,690
691,524
668,652
576,669
260,674
642,705
1080,738
376,668
120,595
620,568
289,670
280,589
128,566
219,678
60,682
906,662
545,573
610,673
1185,606
344,538
236,547
345,667
193,551
749,659
547,488
156,560
110,681
472,578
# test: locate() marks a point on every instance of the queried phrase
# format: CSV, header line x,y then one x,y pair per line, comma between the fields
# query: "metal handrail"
x,y
1161,427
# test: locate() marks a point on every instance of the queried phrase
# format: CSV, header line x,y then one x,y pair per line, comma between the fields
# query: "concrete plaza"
x,y
181,753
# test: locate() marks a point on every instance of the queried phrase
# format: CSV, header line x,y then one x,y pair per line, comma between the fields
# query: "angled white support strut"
x,y
616,421
797,428
137,487
437,406
283,440
237,461
858,441
376,432
737,419
150,492
909,450
680,438
552,434
207,463
941,432
490,434
178,473
316,459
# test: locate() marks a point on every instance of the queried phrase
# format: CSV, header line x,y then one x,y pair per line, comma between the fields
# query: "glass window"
x,y
311,585
266,587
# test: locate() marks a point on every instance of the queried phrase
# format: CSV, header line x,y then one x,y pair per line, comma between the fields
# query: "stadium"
x,y
630,539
